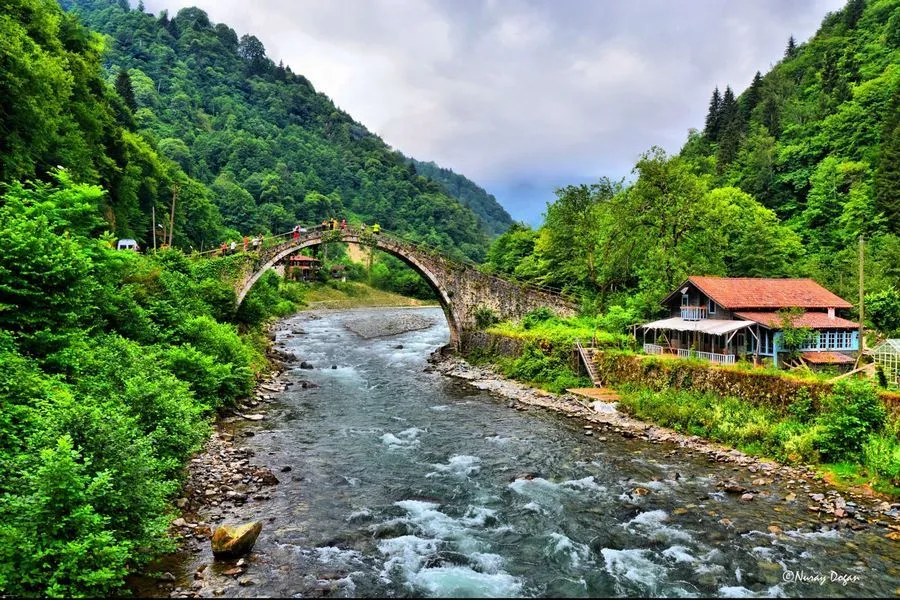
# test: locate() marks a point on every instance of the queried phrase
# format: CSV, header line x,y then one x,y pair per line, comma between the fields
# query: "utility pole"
x,y
153,212
862,308
175,188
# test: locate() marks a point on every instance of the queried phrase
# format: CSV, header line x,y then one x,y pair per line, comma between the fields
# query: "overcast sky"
x,y
523,96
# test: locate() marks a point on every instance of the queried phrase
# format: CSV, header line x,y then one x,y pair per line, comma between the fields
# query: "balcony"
x,y
719,359
693,313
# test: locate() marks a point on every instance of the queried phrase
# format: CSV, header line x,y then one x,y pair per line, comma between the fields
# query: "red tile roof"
x,y
813,320
756,292
826,358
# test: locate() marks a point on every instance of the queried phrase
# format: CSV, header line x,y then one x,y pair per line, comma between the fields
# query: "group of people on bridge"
x,y
257,242
331,225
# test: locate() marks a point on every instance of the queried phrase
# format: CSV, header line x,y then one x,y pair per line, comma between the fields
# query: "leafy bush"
x,y
853,412
881,454
53,541
485,317
537,316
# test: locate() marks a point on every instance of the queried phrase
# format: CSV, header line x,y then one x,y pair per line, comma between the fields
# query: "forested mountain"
x,y
782,181
196,106
494,218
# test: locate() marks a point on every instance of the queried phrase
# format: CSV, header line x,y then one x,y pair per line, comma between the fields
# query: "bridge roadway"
x,y
461,288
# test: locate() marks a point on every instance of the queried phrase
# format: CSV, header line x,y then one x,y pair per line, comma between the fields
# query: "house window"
x,y
711,306
685,300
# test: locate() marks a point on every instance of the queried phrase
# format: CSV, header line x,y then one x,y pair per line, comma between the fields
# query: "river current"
x,y
409,483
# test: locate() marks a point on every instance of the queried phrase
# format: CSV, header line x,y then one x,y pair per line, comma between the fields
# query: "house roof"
x,y
758,292
826,358
813,320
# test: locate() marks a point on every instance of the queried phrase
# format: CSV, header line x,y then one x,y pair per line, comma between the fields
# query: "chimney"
x,y
830,313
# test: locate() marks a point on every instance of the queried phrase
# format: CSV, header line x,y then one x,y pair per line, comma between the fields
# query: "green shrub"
x,y
881,454
853,411
53,542
537,316
485,317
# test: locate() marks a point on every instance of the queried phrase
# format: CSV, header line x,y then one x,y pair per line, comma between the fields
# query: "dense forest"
x,y
782,180
494,217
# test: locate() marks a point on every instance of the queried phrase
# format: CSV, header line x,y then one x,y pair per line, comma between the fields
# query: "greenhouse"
x,y
887,354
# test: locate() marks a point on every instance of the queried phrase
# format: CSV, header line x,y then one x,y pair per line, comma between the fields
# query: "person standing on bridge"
x,y
255,242
376,228
233,247
343,224
296,232
223,248
246,242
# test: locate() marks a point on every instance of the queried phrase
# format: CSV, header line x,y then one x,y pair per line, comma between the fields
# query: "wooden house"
x,y
721,319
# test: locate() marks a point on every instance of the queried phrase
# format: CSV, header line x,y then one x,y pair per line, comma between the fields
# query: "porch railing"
x,y
693,313
653,349
719,359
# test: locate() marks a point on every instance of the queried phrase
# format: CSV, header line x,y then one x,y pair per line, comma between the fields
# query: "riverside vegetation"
x,y
114,363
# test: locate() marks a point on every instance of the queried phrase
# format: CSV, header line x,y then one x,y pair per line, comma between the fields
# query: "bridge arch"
x,y
384,243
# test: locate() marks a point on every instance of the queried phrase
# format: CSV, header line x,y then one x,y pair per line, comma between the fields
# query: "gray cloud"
x,y
528,95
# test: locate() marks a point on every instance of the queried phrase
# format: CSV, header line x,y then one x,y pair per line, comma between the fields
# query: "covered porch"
x,y
718,341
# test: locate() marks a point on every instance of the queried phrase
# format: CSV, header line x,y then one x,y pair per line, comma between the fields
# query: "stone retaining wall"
x,y
659,374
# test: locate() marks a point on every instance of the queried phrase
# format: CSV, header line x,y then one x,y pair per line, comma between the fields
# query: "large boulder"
x,y
233,541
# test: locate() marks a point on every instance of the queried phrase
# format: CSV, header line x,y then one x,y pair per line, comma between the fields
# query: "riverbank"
x,y
350,294
752,476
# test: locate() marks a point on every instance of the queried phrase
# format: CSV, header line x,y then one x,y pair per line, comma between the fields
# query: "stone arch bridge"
x,y
460,288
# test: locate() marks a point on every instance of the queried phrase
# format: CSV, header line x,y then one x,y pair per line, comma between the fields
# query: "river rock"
x,y
231,541
306,365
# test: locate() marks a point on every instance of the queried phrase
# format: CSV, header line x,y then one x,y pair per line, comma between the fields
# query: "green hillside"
x,y
494,218
782,181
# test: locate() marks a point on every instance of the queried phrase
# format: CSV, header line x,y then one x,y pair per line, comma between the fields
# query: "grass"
x,y
790,436
340,295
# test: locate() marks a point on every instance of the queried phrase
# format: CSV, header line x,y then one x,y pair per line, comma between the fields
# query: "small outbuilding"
x,y
127,244
887,355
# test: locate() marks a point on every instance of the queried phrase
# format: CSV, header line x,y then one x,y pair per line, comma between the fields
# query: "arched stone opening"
x,y
444,295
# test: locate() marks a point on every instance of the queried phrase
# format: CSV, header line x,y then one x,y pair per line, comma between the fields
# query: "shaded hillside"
x,y
494,218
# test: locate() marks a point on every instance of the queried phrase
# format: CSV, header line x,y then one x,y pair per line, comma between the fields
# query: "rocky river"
x,y
377,473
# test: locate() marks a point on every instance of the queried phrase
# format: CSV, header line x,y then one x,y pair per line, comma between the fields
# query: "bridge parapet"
x,y
461,288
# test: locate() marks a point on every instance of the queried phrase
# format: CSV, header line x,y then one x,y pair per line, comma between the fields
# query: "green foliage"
x,y
493,218
53,542
547,367
793,337
537,317
485,317
883,311
881,454
853,412
112,365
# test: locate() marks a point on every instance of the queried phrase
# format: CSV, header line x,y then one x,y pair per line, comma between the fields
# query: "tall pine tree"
x,y
791,49
730,130
752,96
712,117
125,89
